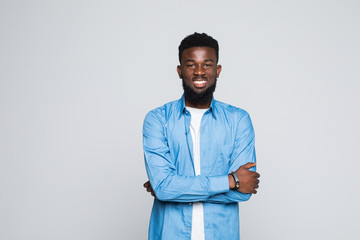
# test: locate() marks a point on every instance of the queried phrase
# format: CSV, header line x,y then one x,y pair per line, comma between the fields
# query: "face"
x,y
199,69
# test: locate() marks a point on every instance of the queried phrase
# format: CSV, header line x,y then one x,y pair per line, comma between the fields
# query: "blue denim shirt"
x,y
227,142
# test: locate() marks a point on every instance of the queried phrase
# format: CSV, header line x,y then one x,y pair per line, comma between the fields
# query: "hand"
x,y
149,188
249,181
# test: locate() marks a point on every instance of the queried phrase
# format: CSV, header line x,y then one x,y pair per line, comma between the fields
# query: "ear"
x,y
218,70
178,68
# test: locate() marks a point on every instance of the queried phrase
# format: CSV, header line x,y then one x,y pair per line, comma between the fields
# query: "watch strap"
x,y
236,179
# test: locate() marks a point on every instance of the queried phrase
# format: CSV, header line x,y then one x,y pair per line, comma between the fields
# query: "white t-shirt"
x,y
197,232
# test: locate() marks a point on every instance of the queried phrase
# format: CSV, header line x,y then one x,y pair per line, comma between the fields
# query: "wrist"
x,y
236,180
231,181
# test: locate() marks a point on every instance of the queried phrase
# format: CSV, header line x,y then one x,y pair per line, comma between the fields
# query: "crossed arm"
x,y
166,185
248,179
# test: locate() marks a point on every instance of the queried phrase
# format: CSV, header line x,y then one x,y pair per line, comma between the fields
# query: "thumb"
x,y
249,165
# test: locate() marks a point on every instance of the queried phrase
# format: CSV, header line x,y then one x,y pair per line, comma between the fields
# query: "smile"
x,y
199,83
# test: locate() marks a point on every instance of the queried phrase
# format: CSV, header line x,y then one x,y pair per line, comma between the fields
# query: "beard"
x,y
199,98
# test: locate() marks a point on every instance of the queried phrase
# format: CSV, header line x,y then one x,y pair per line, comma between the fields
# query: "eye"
x,y
208,65
189,65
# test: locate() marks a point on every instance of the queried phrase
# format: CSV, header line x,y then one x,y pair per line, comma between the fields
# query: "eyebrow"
x,y
192,60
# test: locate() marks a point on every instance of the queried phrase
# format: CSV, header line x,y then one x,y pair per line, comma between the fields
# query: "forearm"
x,y
237,195
229,197
177,188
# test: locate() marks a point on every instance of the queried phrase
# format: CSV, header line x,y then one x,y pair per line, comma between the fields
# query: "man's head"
x,y
198,69
198,40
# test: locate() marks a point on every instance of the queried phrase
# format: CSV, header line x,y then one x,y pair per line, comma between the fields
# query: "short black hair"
x,y
198,40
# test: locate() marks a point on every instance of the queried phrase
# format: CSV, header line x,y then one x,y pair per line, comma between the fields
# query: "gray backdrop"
x,y
77,78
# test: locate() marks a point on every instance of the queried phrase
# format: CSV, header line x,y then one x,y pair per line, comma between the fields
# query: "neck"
x,y
193,105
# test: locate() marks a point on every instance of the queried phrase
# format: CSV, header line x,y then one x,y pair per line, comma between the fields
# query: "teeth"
x,y
200,81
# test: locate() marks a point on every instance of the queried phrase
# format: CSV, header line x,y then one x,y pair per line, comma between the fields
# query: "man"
x,y
199,154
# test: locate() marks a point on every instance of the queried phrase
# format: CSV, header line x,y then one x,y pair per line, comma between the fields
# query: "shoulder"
x,y
236,117
230,111
164,112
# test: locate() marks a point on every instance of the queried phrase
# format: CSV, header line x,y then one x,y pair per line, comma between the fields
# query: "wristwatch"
x,y
236,179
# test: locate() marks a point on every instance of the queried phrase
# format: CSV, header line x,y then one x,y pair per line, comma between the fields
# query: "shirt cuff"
x,y
219,184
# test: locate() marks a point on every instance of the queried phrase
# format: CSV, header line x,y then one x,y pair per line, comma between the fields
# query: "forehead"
x,y
199,54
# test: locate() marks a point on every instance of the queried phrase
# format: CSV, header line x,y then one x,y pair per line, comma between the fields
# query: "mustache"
x,y
199,78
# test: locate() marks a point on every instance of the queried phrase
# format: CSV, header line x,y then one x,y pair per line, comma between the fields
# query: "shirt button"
x,y
188,228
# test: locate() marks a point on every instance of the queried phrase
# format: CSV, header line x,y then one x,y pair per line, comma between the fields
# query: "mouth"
x,y
199,82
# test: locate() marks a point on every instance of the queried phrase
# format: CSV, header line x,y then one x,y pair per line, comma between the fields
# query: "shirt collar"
x,y
182,105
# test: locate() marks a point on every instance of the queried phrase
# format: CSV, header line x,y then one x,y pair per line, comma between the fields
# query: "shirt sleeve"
x,y
166,184
244,152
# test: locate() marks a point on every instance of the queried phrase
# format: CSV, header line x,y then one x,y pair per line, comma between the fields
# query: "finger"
x,y
255,174
146,184
149,189
248,165
254,192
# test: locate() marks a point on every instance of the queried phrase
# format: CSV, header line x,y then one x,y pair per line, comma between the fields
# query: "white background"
x,y
77,78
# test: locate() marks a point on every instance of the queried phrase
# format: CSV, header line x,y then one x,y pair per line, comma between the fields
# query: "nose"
x,y
199,70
